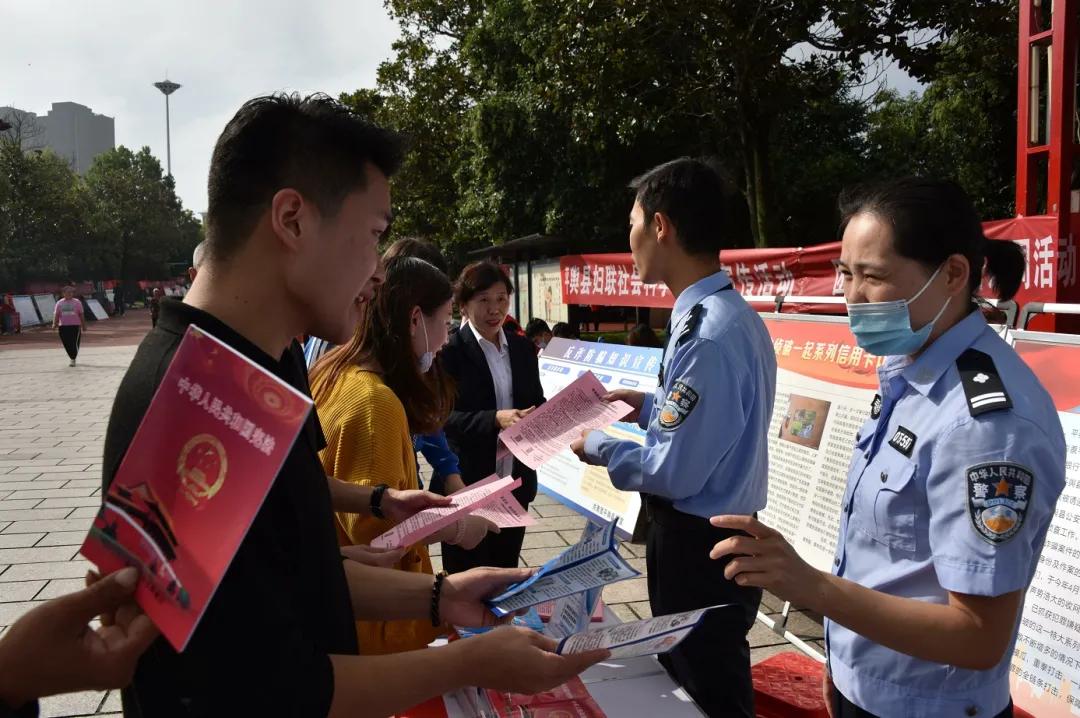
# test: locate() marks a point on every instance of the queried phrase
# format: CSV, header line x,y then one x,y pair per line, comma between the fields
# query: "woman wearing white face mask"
x,y
372,395
953,481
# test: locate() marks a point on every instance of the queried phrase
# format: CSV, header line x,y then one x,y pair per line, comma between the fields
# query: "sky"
x,y
106,54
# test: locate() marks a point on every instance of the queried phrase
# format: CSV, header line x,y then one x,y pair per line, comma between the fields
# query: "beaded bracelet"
x,y
436,595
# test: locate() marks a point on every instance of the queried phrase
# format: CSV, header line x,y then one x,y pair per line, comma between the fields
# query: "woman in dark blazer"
x,y
498,383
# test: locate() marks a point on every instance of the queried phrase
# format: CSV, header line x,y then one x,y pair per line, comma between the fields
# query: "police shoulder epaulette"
x,y
982,384
693,318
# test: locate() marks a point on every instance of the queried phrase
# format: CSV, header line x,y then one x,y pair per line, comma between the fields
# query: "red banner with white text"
x,y
611,280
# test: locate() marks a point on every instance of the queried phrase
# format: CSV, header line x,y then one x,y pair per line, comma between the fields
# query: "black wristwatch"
x,y
376,501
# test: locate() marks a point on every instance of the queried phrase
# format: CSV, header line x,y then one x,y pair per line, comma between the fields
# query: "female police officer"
x,y
954,477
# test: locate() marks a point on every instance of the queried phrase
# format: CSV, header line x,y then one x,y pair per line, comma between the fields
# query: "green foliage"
x,y
530,116
122,221
44,231
963,126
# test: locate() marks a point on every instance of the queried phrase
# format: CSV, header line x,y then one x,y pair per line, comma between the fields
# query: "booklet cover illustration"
x,y
199,467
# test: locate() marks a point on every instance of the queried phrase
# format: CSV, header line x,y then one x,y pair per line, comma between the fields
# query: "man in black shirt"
x,y
299,198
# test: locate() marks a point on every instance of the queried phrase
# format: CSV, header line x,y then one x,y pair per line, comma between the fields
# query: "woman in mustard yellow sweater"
x,y
372,395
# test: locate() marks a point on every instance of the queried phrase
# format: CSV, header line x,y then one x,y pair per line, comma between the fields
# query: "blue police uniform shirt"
x,y
939,501
706,442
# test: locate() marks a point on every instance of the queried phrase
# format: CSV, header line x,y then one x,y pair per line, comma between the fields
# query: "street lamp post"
x,y
167,87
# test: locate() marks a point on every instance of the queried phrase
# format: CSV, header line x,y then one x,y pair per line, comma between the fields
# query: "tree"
x,y
43,207
138,215
548,108
963,126
21,129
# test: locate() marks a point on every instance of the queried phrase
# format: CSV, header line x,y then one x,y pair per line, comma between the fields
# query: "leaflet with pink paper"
x,y
551,428
489,493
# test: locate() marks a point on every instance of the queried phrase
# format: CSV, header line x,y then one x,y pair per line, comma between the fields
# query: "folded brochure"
x,y
640,638
199,467
572,614
593,562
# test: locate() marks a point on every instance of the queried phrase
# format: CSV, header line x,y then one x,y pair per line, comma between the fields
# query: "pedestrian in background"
x,y
69,321
155,305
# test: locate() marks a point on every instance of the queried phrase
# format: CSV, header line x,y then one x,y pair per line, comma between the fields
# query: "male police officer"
x,y
705,451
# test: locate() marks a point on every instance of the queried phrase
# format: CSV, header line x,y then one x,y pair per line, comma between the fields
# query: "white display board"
x,y
547,303
1046,659
584,488
96,309
825,385
46,306
28,315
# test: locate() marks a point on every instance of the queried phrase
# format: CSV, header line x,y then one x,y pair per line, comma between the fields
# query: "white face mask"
x,y
428,357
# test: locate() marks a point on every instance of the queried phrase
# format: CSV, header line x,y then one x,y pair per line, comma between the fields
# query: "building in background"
x,y
72,131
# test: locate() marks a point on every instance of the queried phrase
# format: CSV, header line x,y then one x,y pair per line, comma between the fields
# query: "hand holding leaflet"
x,y
641,638
550,429
424,523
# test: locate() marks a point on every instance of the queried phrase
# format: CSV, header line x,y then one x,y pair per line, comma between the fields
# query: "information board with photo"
x,y
588,489
825,385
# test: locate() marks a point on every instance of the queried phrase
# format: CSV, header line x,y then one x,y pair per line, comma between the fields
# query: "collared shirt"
x,y
909,525
706,442
498,361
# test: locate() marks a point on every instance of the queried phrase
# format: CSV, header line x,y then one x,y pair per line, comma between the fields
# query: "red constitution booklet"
x,y
201,463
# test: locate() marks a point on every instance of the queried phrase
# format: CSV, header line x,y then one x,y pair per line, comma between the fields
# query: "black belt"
x,y
661,511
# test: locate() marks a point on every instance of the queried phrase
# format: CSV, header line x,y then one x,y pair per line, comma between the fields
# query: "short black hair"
x,y
933,219
642,335
419,248
536,327
708,211
479,277
313,144
563,330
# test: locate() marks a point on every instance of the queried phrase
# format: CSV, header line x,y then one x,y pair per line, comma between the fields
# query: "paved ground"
x,y
52,420
123,331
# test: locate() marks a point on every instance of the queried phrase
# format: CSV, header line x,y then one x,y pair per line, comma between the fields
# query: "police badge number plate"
x,y
680,401
998,496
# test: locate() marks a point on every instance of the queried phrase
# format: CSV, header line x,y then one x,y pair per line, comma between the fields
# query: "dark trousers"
x,y
500,550
71,336
843,708
713,663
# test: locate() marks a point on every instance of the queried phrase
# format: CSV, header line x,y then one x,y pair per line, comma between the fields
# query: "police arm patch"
x,y
680,401
998,495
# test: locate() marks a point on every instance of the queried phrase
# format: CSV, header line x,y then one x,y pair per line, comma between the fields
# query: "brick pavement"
x,y
52,421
